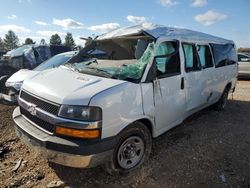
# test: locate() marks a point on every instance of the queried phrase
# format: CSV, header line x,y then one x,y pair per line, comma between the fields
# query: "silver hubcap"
x,y
130,152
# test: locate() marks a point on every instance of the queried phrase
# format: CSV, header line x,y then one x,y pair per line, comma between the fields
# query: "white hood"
x,y
64,86
20,75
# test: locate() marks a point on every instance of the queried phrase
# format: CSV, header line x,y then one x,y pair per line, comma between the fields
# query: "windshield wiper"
x,y
93,60
70,66
104,72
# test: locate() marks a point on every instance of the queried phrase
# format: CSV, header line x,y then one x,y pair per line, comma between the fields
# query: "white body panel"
x,y
121,105
64,86
170,102
21,75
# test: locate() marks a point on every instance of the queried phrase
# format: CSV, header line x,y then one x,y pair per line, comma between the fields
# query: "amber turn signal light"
x,y
79,133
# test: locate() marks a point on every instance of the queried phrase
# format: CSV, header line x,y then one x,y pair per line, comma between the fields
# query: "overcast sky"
x,y
42,18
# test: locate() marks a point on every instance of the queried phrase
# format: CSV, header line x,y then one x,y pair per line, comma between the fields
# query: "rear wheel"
x,y
132,149
221,104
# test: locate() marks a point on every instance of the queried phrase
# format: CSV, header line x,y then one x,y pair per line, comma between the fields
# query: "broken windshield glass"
x,y
136,70
125,58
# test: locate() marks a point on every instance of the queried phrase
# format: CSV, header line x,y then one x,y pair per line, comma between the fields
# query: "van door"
x,y
169,95
194,80
208,73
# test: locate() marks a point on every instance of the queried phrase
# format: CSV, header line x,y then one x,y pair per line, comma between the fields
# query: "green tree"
x,y
28,41
55,40
244,50
1,44
69,41
11,40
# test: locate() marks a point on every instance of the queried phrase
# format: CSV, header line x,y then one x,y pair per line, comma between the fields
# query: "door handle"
x,y
182,83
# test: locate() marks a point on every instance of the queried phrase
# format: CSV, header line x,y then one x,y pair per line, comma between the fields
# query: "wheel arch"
x,y
148,123
229,85
145,121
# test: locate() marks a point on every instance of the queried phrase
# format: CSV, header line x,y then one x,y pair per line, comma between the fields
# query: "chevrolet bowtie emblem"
x,y
32,109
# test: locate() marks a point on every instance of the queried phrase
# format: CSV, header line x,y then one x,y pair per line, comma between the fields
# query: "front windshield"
x,y
55,61
123,59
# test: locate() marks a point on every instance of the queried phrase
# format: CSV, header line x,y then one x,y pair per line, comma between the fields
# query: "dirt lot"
x,y
210,149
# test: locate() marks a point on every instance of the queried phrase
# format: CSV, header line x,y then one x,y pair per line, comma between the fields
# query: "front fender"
x,y
121,105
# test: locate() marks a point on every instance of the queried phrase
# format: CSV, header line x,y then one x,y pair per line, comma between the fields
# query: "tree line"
x,y
244,50
11,41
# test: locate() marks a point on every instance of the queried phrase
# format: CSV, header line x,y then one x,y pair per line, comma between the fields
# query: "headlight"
x,y
16,85
82,113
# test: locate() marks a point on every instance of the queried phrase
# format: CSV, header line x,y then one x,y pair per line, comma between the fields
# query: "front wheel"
x,y
132,149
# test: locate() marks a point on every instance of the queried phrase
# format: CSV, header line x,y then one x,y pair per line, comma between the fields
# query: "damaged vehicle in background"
x,y
14,83
25,57
107,110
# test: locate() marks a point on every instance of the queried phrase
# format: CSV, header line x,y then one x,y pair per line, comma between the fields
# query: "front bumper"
x,y
65,151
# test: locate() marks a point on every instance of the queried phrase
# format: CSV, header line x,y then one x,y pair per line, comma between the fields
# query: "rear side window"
x,y
224,54
205,56
191,58
167,59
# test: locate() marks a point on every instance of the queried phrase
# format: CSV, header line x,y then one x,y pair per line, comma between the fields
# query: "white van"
x,y
107,110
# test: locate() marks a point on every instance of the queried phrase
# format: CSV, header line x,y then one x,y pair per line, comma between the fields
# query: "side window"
x,y
205,56
224,54
167,59
191,59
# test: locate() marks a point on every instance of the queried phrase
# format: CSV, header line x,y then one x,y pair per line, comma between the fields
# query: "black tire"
x,y
221,104
3,79
135,131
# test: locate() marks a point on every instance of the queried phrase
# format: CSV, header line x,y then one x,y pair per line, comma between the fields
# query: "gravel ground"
x,y
210,149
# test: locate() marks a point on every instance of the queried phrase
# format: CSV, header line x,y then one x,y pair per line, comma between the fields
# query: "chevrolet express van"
x,y
106,111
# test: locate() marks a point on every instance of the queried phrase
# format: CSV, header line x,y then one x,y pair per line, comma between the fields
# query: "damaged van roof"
x,y
156,31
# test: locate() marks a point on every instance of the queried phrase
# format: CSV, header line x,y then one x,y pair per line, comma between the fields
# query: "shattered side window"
x,y
35,56
167,58
43,53
30,60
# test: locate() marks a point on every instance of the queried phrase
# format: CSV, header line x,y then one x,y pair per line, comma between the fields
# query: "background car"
x,y
14,83
244,65
26,57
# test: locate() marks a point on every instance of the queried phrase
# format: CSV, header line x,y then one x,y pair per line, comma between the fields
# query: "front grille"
x,y
39,122
46,106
